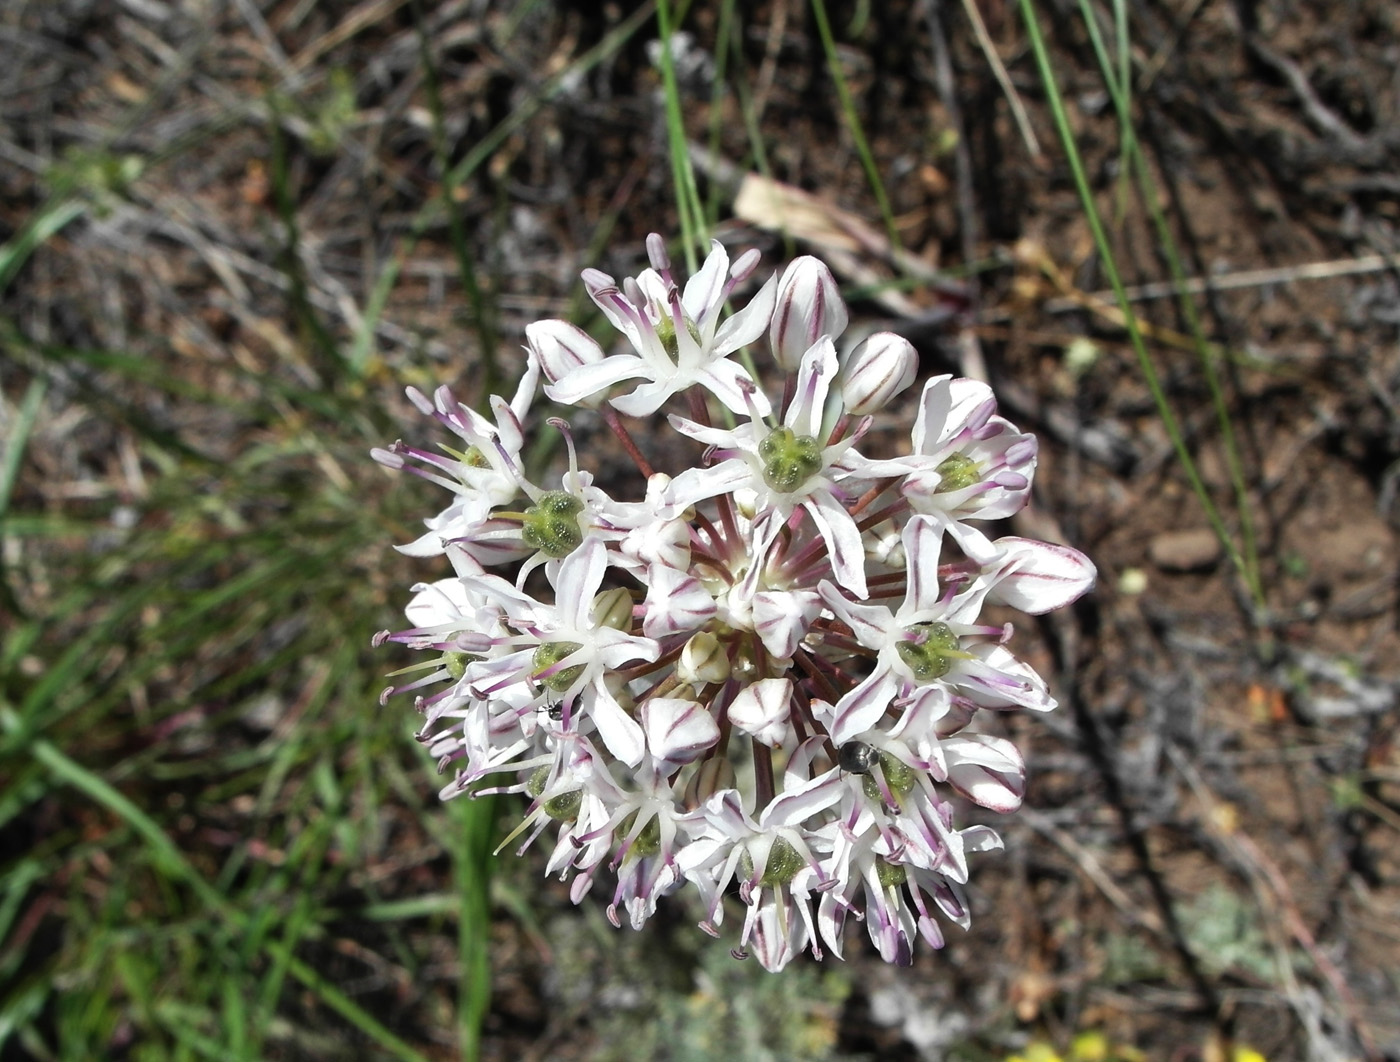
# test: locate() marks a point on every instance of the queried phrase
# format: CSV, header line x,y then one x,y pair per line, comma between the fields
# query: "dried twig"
x,y
1318,112
1013,98
1245,278
1132,911
1250,856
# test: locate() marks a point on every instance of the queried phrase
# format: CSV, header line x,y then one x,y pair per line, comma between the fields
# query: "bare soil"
x,y
1210,852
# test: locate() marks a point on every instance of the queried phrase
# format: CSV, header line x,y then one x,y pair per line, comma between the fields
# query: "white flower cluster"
x,y
769,672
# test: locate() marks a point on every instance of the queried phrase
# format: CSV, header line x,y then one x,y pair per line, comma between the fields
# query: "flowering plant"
x,y
770,672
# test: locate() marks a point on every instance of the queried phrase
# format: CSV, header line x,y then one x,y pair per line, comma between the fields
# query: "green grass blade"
x,y
724,32
483,316
42,227
1119,82
22,1007
689,207
171,861
848,108
474,822
14,447
1110,268
18,438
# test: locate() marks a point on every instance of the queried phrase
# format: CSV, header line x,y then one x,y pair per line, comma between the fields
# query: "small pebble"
x,y
1185,551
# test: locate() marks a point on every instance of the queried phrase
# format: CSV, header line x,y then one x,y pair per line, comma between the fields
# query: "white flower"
x,y
643,828
678,338
568,653
483,476
897,894
772,856
786,469
925,644
975,465
455,622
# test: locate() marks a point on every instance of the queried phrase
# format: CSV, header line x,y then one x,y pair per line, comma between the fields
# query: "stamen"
x,y
656,254
743,266
420,400
575,484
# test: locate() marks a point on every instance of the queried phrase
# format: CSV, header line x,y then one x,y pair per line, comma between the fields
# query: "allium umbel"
x,y
768,677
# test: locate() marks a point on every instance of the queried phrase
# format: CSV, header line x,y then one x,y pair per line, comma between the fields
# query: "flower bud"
x,y
561,348
613,608
703,660
809,307
675,602
761,710
677,730
782,618
877,370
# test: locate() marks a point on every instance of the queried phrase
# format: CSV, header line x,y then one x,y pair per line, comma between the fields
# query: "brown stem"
x,y
870,495
893,509
839,431
613,421
808,663
726,515
763,777
699,411
704,522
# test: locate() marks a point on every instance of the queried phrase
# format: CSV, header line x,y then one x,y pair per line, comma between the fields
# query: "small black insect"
x,y
857,757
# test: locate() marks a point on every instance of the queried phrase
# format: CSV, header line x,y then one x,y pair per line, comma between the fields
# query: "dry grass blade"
x,y
1235,281
842,239
1013,98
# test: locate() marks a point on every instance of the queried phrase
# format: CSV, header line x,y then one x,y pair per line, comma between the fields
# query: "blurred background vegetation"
x,y
231,232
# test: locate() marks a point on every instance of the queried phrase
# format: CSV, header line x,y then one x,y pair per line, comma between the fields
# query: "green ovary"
x,y
551,525
456,663
647,842
789,459
474,458
899,776
666,332
562,807
550,653
565,806
783,864
931,651
890,875
957,472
